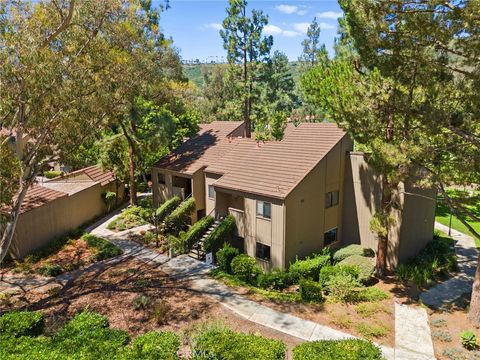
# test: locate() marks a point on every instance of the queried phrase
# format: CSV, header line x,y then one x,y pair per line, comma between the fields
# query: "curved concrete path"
x,y
452,289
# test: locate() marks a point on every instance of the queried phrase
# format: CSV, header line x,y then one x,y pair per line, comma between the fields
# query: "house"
x,y
54,207
291,197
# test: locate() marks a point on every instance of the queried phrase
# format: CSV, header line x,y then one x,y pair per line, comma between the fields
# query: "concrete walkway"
x,y
454,288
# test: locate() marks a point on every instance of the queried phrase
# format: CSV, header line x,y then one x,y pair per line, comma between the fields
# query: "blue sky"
x,y
194,25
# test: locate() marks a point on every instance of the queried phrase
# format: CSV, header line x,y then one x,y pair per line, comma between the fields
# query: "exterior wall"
x,y
38,227
210,203
307,219
415,219
161,192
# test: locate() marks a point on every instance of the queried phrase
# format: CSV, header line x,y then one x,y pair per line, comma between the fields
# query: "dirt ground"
x,y
113,291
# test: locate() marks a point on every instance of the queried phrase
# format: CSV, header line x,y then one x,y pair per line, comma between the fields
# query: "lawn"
x,y
473,205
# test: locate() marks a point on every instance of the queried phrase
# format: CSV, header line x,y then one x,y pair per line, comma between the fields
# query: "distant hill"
x,y
194,72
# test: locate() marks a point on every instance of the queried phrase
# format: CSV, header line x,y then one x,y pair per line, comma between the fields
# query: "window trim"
x,y
208,190
329,197
262,215
269,252
336,236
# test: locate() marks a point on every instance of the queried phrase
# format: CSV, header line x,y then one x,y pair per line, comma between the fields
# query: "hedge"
x,y
180,218
22,323
245,268
329,271
354,249
195,233
230,345
221,234
310,267
155,345
225,256
276,279
311,290
167,207
349,349
365,265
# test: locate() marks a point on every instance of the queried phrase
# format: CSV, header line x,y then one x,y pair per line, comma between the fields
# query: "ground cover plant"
x,y
66,253
129,218
351,349
436,261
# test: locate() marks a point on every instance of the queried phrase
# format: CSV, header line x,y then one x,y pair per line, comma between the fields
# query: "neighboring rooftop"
x,y
92,173
271,168
38,196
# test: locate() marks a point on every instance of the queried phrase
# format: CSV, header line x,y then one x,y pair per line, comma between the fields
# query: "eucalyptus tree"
x,y
245,45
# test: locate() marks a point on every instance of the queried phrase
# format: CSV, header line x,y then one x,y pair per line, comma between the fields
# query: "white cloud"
x,y
215,26
325,26
301,12
287,9
290,33
329,15
302,27
272,30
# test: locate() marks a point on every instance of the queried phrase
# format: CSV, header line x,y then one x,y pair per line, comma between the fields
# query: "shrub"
x,y
22,323
311,290
51,174
354,249
160,309
221,234
51,270
245,268
167,207
364,264
225,256
341,287
469,340
146,202
369,294
180,218
442,335
437,259
195,233
329,271
310,267
109,198
348,349
276,279
230,345
369,330
141,302
177,244
155,345
105,249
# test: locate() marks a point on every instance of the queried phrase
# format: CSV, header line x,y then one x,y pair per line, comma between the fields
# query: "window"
x,y
211,192
161,179
262,252
331,199
330,237
264,209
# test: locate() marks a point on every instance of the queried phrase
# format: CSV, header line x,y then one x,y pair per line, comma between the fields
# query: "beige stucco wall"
x,y
414,221
306,217
38,227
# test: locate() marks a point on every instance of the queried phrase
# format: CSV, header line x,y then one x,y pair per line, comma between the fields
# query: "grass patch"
x,y
343,321
472,203
370,331
366,310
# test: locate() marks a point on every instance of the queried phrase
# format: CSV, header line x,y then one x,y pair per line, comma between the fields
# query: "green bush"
x,y
51,270
180,218
369,294
195,233
354,249
328,271
109,198
469,340
22,323
245,268
310,267
348,349
225,256
130,217
167,207
230,345
155,345
364,264
105,249
177,244
52,174
341,287
146,203
311,290
276,279
221,234
436,260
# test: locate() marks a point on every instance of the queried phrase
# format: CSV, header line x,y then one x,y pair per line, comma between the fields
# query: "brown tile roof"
x,y
274,168
38,196
200,150
95,173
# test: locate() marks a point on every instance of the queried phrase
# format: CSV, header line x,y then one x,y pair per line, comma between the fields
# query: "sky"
x,y
194,25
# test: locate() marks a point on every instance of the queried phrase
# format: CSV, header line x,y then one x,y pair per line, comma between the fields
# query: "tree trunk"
x,y
246,105
9,231
133,180
382,248
474,312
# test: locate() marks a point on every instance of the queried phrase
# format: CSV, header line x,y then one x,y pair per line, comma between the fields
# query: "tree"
x,y
406,90
242,38
311,45
53,85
